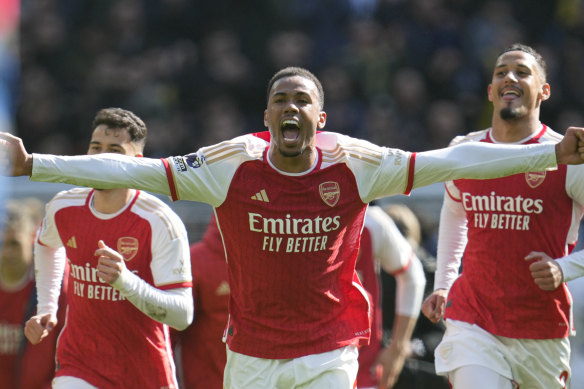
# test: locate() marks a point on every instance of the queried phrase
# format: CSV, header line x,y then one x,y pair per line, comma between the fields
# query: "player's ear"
x,y
489,88
545,92
321,120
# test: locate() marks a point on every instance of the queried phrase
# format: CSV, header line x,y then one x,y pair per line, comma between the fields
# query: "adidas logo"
x,y
261,196
72,243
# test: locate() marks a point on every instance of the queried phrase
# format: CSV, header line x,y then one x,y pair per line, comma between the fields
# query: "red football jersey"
x,y
107,341
506,219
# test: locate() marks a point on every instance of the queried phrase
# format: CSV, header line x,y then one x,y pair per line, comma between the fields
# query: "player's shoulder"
x,y
473,136
70,197
337,147
246,146
550,135
157,212
151,203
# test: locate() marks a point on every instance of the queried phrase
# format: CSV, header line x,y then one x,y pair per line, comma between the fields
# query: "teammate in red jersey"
x,y
291,212
503,331
21,365
202,353
121,299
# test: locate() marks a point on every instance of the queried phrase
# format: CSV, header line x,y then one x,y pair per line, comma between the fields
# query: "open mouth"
x,y
290,130
510,94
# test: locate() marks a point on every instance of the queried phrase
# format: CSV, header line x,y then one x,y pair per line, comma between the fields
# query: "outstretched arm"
x,y
484,160
20,159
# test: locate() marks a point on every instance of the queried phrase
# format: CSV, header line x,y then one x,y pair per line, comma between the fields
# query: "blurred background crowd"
x,y
407,74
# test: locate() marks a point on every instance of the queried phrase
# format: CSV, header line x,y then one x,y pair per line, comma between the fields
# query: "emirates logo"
x,y
128,247
330,192
534,179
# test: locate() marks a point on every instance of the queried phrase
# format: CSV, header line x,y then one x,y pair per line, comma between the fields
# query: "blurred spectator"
x,y
426,335
384,250
21,365
199,351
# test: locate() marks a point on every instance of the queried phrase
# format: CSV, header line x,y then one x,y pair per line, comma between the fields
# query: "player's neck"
x,y
511,131
111,200
297,164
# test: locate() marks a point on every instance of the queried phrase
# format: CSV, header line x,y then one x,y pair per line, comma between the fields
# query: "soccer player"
x,y
502,329
383,246
21,365
129,276
291,211
200,347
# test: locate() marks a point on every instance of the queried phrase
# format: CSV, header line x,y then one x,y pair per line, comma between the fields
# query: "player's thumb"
x,y
535,255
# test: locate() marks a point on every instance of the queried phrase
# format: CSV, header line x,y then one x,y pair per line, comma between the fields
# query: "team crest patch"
x,y
330,192
534,179
128,247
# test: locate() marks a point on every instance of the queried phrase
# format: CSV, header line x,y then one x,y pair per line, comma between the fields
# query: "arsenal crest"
x,y
128,247
534,179
330,192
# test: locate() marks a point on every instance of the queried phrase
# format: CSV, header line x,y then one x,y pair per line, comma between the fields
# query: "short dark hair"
x,y
531,51
118,118
301,72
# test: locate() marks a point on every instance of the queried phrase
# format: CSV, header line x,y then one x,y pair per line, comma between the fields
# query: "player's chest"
x,y
325,191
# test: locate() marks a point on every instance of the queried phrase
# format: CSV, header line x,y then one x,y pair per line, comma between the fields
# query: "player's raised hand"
x,y
38,327
570,150
433,305
546,272
110,263
12,148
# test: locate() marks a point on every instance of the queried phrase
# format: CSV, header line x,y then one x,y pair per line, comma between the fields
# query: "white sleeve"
x,y
479,160
452,239
203,176
49,264
104,171
173,307
410,289
396,256
50,259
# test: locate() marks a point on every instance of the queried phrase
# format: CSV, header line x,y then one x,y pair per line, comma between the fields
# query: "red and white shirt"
x,y
106,341
502,220
291,240
383,246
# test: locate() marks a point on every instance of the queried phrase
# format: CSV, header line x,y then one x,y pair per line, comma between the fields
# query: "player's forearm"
x,y
572,265
173,307
403,328
104,171
49,266
452,239
481,161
